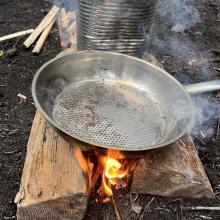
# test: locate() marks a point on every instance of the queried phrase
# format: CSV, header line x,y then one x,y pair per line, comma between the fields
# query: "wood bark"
x,y
173,171
52,185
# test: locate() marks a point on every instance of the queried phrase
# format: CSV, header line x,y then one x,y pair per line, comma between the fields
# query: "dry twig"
x,y
146,207
118,216
17,34
218,128
199,208
205,217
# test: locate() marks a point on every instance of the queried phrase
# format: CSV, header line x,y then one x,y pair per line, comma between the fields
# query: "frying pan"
x,y
115,101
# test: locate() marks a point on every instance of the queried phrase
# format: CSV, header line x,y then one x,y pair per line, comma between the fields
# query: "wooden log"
x,y
172,171
52,185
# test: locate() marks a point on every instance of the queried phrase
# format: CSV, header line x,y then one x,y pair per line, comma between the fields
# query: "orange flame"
x,y
111,172
112,168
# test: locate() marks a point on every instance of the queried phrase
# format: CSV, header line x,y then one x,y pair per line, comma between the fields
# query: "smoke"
x,y
178,12
176,16
173,18
208,114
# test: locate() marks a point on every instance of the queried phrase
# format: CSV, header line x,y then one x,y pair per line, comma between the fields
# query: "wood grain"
x,y
52,185
172,171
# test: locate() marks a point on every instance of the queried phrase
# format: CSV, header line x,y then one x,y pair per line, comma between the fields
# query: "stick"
x,y
118,216
215,51
43,37
17,34
218,128
146,207
44,23
202,208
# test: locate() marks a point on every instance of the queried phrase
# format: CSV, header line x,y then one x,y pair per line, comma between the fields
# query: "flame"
x,y
106,187
112,172
112,168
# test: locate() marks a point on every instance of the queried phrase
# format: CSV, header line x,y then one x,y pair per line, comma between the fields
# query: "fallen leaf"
x,y
136,207
1,53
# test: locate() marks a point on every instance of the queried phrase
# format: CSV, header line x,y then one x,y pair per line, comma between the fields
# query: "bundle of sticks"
x,y
67,29
43,29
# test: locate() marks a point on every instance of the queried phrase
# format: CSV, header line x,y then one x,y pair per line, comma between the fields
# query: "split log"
x,y
43,37
52,185
44,23
172,171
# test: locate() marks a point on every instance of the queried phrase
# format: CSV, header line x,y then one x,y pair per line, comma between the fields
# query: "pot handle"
x,y
203,87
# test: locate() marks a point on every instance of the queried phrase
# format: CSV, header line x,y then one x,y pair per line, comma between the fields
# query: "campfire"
x,y
105,171
70,174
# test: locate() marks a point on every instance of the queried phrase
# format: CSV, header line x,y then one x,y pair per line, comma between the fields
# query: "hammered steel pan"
x,y
114,101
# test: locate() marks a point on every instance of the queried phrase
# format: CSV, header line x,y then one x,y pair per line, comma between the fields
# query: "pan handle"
x,y
203,87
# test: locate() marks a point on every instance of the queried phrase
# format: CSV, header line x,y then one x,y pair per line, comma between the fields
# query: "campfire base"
x,y
172,171
53,185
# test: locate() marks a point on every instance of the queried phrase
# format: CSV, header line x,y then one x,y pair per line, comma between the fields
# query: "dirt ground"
x,y
18,66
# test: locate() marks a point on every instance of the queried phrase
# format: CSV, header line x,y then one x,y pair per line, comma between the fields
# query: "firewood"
x,y
17,34
52,185
44,23
204,208
172,171
118,216
43,37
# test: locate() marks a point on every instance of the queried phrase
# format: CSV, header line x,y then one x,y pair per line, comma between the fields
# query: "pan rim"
x,y
56,125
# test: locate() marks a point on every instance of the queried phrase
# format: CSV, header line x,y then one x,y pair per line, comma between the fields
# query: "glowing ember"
x,y
105,171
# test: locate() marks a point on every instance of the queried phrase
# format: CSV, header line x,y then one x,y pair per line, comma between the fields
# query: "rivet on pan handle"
x,y
203,87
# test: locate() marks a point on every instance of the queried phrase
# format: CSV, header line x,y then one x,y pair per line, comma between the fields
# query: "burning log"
x,y
173,171
52,185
